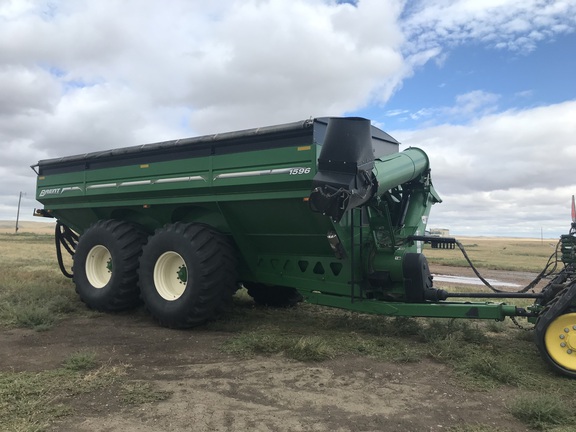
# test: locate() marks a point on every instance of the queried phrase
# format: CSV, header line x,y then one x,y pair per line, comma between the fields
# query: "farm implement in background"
x,y
326,210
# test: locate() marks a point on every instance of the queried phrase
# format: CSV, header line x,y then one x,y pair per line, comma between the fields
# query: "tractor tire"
x,y
105,265
555,332
273,296
187,274
557,343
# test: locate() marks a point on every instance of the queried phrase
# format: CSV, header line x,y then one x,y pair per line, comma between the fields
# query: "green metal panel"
x,y
190,180
468,310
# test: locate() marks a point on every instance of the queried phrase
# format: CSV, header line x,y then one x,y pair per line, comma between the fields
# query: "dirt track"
x,y
211,391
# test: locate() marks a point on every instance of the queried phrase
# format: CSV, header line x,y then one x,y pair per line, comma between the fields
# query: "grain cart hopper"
x,y
326,210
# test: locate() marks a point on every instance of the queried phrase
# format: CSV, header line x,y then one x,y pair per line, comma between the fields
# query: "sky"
x,y
486,88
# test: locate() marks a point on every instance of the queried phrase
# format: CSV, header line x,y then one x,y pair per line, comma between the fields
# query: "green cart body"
x,y
325,210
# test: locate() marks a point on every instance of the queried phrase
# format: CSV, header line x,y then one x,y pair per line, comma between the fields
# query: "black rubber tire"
x,y
123,242
273,296
539,337
417,277
209,263
229,254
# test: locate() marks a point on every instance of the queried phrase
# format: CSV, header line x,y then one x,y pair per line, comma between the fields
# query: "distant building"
x,y
440,244
439,232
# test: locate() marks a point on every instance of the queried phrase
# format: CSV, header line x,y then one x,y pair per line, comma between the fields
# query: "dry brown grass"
x,y
33,292
30,227
513,254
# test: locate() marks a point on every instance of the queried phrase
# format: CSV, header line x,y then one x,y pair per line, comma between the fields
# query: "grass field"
x,y
484,355
512,254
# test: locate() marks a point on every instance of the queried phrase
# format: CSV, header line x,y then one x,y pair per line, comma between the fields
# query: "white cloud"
x,y
14,9
317,58
26,90
467,106
507,24
476,101
232,63
512,171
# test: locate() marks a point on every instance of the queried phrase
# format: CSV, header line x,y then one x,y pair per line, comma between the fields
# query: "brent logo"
x,y
54,191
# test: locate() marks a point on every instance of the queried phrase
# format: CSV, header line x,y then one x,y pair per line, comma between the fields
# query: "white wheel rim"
x,y
99,266
170,276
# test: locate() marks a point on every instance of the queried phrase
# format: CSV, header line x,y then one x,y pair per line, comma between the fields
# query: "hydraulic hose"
x,y
64,236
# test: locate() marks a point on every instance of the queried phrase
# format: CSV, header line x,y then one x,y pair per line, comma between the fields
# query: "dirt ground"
x,y
212,391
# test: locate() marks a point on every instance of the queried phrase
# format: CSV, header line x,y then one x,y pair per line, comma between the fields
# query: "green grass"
x,y
543,411
31,401
141,392
34,293
270,341
80,361
37,306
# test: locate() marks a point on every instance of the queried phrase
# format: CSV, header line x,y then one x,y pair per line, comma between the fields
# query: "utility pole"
x,y
18,212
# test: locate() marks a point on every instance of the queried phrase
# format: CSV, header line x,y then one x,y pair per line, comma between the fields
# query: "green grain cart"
x,y
326,210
